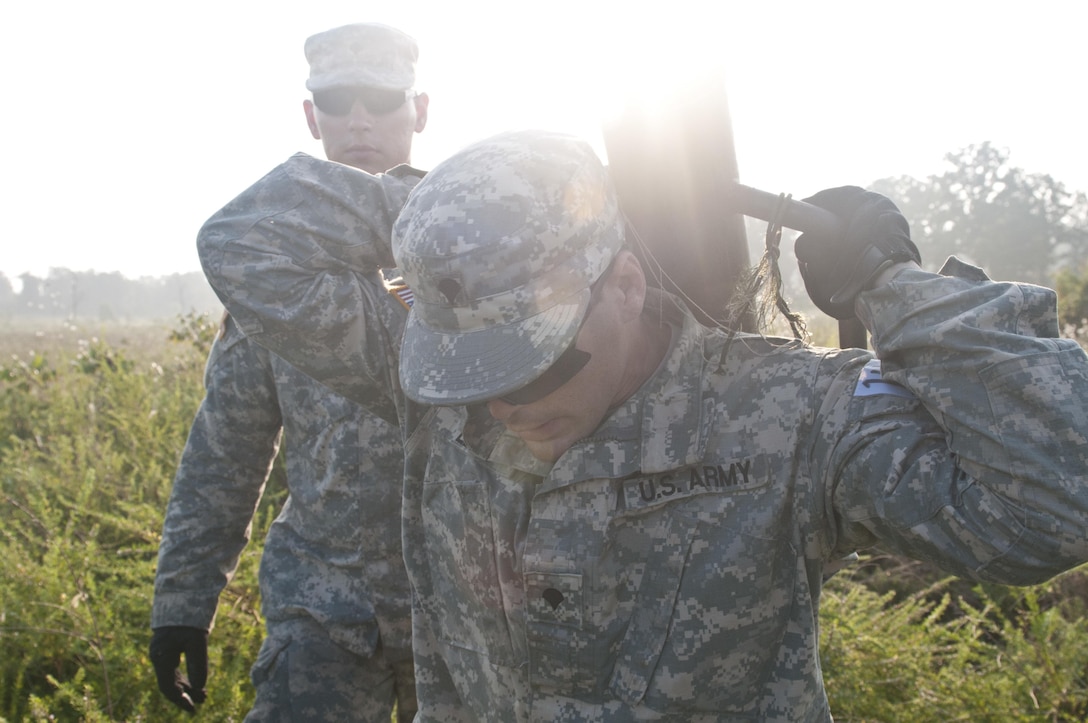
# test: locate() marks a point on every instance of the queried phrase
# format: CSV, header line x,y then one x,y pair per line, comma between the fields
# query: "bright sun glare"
x,y
650,67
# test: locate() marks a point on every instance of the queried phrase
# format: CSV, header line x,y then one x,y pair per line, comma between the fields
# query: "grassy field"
x,y
92,422
19,338
91,427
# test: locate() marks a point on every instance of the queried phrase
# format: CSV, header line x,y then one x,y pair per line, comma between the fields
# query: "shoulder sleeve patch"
x,y
871,383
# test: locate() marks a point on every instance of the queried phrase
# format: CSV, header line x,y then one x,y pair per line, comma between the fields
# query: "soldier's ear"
x,y
626,275
311,121
422,101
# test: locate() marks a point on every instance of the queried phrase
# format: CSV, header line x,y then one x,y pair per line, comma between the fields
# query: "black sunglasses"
x,y
562,370
377,101
569,363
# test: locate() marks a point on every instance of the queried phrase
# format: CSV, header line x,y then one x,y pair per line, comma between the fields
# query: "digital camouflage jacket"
x,y
669,566
333,554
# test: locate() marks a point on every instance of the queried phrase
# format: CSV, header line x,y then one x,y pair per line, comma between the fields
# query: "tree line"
x,y
1016,225
67,294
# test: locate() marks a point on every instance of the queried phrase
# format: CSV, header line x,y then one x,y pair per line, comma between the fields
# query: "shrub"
x,y
90,434
88,446
941,654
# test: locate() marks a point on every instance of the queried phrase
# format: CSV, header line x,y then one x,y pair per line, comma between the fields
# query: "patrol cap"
x,y
362,54
500,244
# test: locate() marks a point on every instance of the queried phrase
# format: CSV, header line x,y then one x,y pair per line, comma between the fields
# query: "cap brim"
x,y
358,80
442,368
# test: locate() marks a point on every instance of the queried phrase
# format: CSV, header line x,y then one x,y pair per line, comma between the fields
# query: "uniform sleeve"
x,y
230,450
296,258
976,457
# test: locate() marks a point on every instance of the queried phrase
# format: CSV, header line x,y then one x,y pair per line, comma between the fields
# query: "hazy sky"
x,y
128,123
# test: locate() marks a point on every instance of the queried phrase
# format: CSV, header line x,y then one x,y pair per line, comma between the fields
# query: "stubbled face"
x,y
368,141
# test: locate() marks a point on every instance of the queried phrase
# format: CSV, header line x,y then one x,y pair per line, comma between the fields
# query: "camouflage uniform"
x,y
669,567
334,591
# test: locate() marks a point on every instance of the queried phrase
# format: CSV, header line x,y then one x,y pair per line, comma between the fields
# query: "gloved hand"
x,y
167,645
875,236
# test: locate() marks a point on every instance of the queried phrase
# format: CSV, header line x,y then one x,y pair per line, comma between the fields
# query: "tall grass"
x,y
92,423
90,435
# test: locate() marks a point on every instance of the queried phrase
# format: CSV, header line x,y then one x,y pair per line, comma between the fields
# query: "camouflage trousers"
x,y
302,675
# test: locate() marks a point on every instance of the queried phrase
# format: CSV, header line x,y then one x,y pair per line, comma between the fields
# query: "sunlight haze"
x,y
128,123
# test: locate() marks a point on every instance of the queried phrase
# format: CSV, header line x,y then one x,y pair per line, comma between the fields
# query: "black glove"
x,y
875,236
167,645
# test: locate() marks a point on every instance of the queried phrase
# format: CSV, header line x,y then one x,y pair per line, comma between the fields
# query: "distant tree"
x,y
31,297
67,294
1016,225
7,295
166,296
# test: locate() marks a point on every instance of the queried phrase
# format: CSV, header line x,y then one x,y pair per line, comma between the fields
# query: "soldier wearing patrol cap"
x,y
613,512
364,109
334,592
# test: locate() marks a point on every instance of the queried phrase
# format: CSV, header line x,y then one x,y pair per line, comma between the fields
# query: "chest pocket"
x,y
604,628
677,614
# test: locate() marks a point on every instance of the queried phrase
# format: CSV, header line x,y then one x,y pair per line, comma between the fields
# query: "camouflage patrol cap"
x,y
361,54
500,244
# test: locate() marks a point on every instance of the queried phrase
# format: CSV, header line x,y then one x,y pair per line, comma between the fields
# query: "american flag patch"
x,y
401,290
871,382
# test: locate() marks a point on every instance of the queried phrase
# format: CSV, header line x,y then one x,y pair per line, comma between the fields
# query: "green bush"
x,y
951,652
91,431
88,448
